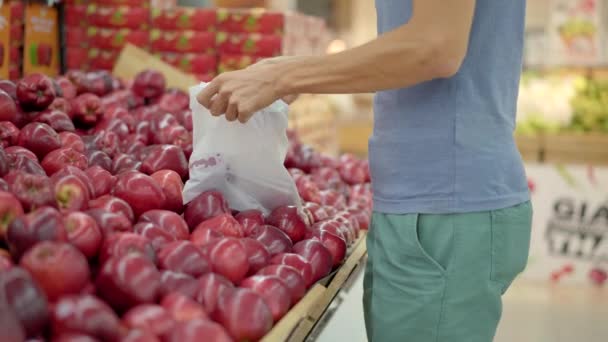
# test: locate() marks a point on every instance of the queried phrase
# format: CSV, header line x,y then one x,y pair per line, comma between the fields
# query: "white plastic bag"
x,y
243,161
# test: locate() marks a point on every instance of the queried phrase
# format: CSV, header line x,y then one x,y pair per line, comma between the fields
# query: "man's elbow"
x,y
445,56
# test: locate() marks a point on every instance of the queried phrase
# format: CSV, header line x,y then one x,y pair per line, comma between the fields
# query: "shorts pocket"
x,y
438,239
510,242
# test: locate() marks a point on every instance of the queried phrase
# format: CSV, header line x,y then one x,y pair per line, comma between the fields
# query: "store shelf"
x,y
302,318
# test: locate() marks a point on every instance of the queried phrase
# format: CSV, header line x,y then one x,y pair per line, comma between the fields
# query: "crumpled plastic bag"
x,y
243,161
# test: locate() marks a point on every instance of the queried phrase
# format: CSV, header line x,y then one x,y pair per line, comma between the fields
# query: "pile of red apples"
x,y
96,244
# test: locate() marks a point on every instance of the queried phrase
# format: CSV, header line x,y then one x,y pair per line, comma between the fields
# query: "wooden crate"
x,y
353,136
576,149
315,121
302,318
530,147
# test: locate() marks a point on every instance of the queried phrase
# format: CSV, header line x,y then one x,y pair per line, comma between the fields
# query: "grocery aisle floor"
x,y
532,313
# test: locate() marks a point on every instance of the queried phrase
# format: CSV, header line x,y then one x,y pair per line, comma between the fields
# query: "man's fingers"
x,y
218,105
206,95
231,112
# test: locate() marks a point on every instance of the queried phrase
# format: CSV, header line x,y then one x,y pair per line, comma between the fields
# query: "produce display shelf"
x,y
302,318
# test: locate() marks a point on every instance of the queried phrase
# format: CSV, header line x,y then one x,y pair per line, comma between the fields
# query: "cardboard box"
x,y
75,15
134,3
75,36
41,47
250,20
191,62
232,62
182,41
102,59
184,18
136,18
103,38
76,58
249,44
17,12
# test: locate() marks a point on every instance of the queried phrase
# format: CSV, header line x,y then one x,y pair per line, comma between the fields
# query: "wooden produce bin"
x,y
354,135
530,147
302,318
576,149
315,121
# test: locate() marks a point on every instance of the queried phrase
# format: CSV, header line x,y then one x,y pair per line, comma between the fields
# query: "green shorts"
x,y
440,278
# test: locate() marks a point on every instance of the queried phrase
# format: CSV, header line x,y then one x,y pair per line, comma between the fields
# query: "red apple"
x,y
124,162
35,92
8,107
137,335
204,236
291,277
10,208
58,120
149,317
11,329
205,206
83,233
165,157
102,180
33,191
334,244
224,224
198,330
274,292
14,151
229,258
68,89
210,287
87,109
290,221
319,213
6,261
327,178
60,158
113,204
332,198
244,314
184,117
178,282
184,257
114,125
85,314
110,222
72,140
317,254
353,172
257,254
174,101
58,267
172,186
120,244
9,134
107,142
99,158
157,236
149,84
61,104
331,226
298,262
168,221
9,87
250,219
22,295
273,239
308,190
72,170
73,337
39,225
39,138
71,193
183,308
128,281
140,191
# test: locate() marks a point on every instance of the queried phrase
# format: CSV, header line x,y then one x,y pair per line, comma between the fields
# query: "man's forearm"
x,y
416,52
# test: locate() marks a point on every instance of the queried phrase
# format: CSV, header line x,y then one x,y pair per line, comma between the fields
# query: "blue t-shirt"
x,y
447,146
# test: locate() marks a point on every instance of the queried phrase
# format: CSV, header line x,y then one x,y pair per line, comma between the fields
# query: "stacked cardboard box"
x,y
185,38
247,35
11,40
96,31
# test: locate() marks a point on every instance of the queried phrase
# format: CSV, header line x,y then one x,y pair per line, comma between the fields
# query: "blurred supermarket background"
x,y
562,122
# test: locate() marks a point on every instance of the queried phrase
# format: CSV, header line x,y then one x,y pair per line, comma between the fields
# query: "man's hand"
x,y
240,94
